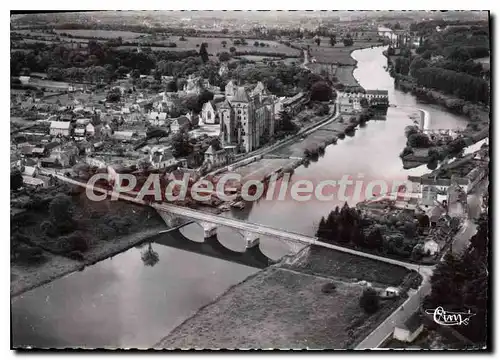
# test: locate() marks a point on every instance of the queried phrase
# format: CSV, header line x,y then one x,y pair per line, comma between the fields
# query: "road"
x,y
400,315
469,228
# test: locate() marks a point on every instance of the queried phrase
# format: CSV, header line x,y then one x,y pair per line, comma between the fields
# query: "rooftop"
x,y
241,95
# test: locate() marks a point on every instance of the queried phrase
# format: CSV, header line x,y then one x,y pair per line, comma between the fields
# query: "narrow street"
x,y
469,228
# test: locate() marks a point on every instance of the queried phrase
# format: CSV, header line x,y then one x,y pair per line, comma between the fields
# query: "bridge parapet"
x,y
172,220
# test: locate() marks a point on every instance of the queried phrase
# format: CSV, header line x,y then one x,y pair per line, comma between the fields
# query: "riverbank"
x,y
299,313
28,277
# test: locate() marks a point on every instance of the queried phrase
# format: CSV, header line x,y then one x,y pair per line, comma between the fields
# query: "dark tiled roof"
x,y
378,92
413,323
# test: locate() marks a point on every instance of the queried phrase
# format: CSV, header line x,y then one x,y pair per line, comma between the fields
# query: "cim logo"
x,y
449,318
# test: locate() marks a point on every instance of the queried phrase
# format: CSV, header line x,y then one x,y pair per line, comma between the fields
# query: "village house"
x,y
125,136
217,157
90,129
180,124
209,114
295,104
223,69
60,128
157,119
161,158
410,330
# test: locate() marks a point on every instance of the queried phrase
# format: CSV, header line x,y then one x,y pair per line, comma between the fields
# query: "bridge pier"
x,y
209,229
251,239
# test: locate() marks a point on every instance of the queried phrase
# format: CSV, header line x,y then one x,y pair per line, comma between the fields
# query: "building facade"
x,y
246,118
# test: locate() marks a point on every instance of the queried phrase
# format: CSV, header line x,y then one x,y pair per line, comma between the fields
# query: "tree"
x,y
317,40
171,86
224,43
419,141
114,95
135,74
423,221
61,208
321,91
232,49
181,145
150,257
348,41
417,63
256,44
333,40
203,52
286,123
16,179
369,300
224,56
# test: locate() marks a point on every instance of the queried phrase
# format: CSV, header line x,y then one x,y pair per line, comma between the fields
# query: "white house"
x,y
410,330
209,113
431,247
390,292
90,129
345,105
60,128
157,119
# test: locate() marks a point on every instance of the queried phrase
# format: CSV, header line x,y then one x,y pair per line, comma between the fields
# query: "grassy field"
x,y
326,262
345,76
215,45
279,308
125,35
340,54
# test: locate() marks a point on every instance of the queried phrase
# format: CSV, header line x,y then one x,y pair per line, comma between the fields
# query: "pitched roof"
x,y
225,105
60,125
208,105
241,95
413,323
181,120
210,150
259,88
378,92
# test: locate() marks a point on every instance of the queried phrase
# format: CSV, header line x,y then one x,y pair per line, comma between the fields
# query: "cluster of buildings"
x,y
82,126
247,117
351,103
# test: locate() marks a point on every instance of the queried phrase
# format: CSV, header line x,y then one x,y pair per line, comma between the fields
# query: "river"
x,y
120,302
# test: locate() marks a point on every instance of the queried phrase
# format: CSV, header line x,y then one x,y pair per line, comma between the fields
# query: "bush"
x,y
328,288
406,151
27,254
369,300
48,228
78,242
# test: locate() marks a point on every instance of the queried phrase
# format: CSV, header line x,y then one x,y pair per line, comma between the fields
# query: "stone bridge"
x,y
209,229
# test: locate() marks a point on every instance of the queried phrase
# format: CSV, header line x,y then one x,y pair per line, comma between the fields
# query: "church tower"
x,y
244,115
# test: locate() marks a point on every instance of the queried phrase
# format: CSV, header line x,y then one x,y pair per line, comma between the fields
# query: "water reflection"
x,y
150,257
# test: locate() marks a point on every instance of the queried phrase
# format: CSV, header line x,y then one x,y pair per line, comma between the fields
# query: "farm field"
x,y
215,45
337,54
110,34
345,76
